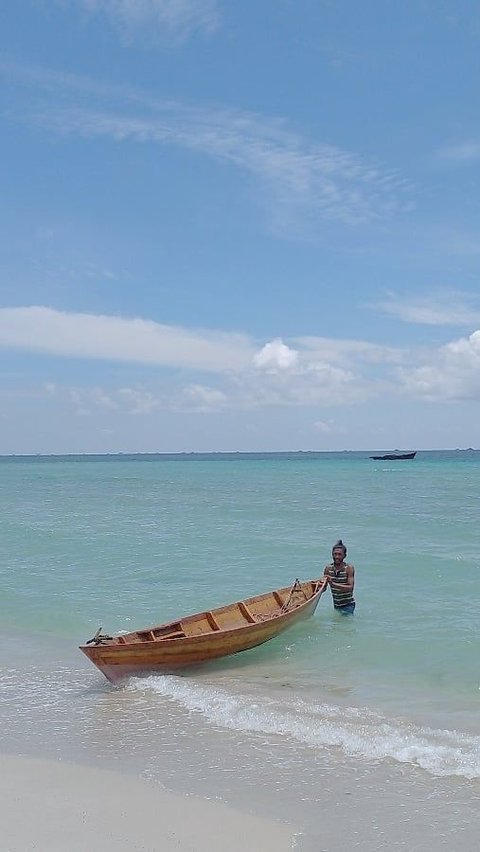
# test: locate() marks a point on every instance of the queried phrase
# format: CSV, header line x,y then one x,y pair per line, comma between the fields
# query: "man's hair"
x,y
340,543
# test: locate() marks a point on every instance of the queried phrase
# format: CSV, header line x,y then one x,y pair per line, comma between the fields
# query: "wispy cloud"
x,y
89,336
444,309
450,240
307,182
459,154
151,20
346,353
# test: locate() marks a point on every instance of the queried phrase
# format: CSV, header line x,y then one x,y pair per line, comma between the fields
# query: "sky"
x,y
239,225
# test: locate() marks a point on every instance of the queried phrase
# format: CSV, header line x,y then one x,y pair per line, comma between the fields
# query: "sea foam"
x,y
358,732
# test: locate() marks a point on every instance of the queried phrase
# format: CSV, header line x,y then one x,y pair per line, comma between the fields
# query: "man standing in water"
x,y
341,579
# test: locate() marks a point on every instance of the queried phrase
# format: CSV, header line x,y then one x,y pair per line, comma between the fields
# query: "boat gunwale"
x,y
121,647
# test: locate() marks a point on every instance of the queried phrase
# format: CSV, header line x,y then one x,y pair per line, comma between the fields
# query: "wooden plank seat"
x,y
247,614
179,634
212,622
153,636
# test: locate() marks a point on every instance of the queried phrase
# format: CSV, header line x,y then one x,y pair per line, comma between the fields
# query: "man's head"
x,y
339,551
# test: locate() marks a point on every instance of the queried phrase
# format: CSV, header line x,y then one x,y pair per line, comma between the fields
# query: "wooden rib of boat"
x,y
395,456
204,636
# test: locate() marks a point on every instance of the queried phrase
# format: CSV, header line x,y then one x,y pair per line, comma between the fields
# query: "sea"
x,y
367,725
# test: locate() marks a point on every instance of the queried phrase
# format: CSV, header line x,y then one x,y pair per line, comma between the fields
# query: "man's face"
x,y
337,554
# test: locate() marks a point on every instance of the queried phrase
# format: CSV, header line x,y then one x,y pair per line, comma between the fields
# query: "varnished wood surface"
x,y
206,635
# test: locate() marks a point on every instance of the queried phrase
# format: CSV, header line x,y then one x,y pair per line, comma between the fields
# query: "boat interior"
x,y
239,614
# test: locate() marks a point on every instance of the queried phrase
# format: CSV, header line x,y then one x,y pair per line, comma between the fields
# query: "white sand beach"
x,y
53,807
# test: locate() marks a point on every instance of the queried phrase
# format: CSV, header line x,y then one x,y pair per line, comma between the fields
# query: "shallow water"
x,y
385,700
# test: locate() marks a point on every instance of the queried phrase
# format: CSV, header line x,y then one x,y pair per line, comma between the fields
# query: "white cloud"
x,y
88,400
293,377
322,371
201,398
138,401
317,372
152,19
305,182
286,376
329,427
449,373
447,308
275,356
78,402
102,399
72,335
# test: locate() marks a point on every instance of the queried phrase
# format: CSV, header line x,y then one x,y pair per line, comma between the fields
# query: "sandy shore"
x,y
53,807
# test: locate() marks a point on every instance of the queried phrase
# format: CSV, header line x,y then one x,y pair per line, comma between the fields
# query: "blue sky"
x,y
246,225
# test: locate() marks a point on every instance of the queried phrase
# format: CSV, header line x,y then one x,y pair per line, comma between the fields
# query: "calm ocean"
x,y
389,696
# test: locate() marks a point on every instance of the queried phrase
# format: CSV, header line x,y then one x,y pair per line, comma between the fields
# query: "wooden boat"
x,y
204,636
395,456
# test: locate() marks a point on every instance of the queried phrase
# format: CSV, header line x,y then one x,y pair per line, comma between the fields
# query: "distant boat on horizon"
x,y
394,456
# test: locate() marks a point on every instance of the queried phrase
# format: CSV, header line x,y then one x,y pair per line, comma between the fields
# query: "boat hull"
x,y
395,456
118,661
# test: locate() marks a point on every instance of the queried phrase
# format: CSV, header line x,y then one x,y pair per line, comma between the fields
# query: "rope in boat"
x,y
296,589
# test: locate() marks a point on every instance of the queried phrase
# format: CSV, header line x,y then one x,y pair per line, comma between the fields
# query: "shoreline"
x,y
44,802
53,805
145,773
211,455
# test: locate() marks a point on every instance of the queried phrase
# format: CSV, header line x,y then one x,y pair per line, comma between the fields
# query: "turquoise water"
x,y
124,542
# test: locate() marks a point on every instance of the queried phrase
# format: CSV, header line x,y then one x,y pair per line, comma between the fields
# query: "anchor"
x,y
99,638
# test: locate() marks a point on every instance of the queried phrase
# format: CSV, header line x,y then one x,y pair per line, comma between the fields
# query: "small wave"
x,y
358,732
